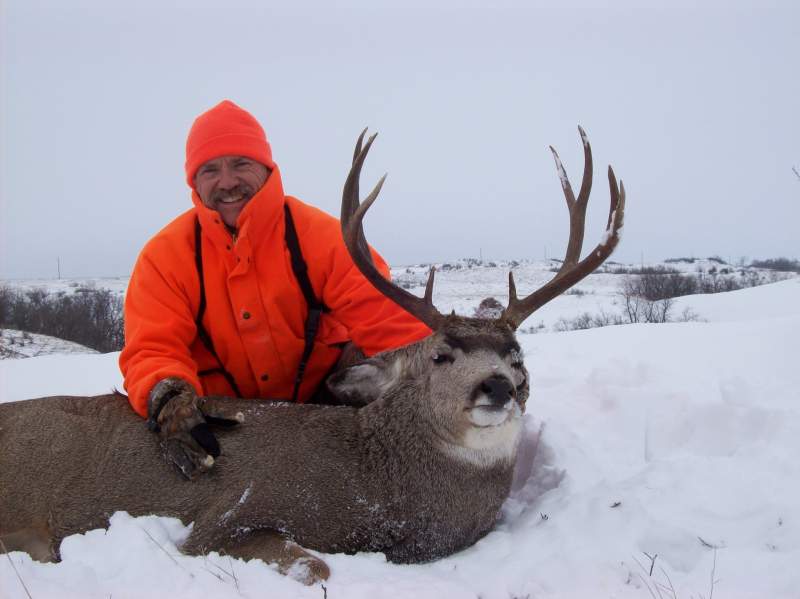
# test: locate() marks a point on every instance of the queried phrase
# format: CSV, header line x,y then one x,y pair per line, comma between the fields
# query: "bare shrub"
x,y
579,323
575,291
648,297
717,281
683,259
640,309
781,264
91,317
644,270
659,285
533,329
688,315
753,278
587,321
7,298
604,319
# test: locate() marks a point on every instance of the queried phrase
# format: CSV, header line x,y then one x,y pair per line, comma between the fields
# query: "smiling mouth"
x,y
232,199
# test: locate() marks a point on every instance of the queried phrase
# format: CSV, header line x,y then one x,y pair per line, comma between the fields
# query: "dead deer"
x,y
416,466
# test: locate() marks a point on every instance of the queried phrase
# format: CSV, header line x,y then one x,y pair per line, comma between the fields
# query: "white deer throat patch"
x,y
487,444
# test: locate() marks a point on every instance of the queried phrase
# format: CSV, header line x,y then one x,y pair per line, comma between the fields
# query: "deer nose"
x,y
498,389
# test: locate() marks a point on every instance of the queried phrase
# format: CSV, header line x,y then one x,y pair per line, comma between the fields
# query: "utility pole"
x,y
796,172
59,267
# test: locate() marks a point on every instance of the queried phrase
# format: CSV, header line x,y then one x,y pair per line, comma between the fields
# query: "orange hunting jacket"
x,y
255,308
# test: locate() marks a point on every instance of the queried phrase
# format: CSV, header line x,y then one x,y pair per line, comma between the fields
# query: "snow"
x,y
746,304
679,441
22,344
69,374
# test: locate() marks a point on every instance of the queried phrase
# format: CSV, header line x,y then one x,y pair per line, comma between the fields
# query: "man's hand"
x,y
181,420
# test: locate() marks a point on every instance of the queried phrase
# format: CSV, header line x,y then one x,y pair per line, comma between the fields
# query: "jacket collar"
x,y
256,220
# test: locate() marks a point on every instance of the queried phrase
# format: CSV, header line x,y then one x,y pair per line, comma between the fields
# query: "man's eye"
x,y
208,171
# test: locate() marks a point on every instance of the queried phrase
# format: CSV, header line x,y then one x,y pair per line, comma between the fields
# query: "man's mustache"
x,y
240,190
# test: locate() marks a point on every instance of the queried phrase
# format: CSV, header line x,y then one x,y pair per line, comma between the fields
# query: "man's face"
x,y
227,183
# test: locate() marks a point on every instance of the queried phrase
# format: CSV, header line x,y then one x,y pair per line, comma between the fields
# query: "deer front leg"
x,y
274,548
268,545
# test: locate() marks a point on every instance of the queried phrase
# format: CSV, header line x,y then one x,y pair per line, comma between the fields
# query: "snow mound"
x,y
653,455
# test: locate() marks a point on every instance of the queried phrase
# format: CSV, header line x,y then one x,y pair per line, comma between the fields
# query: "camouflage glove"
x,y
181,420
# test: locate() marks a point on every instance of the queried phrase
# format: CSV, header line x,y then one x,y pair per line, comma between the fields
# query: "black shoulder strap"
x,y
198,262
315,306
298,263
202,333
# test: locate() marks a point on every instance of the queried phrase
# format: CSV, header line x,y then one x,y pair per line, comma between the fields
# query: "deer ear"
x,y
360,384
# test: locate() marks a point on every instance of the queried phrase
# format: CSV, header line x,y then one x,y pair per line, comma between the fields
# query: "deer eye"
x,y
441,358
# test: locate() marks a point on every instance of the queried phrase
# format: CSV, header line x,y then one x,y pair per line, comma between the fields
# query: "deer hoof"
x,y
308,570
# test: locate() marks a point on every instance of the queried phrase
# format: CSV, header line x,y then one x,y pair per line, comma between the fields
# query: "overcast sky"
x,y
695,104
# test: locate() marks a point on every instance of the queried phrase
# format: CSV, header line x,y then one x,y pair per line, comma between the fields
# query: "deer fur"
x,y
418,473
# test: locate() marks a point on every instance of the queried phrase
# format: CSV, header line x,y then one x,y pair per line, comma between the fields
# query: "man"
x,y
216,303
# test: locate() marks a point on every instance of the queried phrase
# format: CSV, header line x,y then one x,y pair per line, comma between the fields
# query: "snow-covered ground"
x,y
461,285
676,441
22,344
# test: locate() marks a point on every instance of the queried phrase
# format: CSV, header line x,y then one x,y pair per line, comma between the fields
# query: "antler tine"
x,y
617,195
588,168
569,274
512,289
356,152
352,216
429,286
577,208
350,201
359,142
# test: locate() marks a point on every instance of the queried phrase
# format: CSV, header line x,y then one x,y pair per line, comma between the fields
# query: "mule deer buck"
x,y
418,472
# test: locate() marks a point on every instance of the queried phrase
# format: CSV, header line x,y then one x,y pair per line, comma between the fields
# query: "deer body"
x,y
384,477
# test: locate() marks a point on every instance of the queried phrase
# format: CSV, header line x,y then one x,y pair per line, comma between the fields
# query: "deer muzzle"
x,y
493,401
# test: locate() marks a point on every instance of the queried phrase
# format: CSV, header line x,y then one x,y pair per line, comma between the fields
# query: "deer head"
x,y
478,361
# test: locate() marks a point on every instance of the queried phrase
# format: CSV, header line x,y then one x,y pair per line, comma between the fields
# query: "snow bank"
x,y
69,374
766,301
679,441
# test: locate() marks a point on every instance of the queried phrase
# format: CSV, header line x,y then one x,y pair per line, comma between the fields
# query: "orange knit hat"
x,y
225,130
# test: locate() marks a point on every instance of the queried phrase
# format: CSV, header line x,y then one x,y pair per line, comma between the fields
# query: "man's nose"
x,y
227,179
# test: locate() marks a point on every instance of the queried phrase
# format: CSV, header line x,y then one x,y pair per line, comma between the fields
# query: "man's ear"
x,y
362,383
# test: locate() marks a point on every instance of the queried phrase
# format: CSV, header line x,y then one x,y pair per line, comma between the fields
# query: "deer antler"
x,y
572,270
353,212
